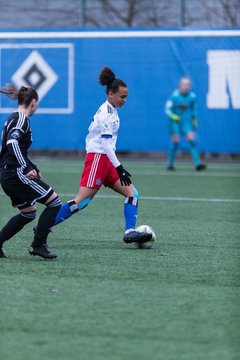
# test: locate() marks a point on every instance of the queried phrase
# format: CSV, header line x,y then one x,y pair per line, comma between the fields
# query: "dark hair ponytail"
x,y
24,95
107,78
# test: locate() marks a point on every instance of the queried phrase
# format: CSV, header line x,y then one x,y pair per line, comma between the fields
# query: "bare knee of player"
x,y
29,213
27,209
128,190
53,201
52,197
190,136
175,138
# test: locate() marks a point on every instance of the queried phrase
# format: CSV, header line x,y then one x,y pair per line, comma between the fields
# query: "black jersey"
x,y
16,140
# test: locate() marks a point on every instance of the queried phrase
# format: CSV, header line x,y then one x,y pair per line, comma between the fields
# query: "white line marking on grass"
x,y
188,174
151,173
156,198
163,198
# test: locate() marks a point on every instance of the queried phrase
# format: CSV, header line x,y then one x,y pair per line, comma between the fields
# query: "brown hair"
x,y
24,95
108,78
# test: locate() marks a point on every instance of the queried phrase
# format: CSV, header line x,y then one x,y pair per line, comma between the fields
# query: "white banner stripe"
x,y
117,34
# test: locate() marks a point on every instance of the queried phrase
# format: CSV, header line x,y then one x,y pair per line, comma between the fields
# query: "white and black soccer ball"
x,y
149,230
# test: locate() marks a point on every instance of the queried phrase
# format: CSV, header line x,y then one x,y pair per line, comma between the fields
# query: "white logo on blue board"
x,y
35,72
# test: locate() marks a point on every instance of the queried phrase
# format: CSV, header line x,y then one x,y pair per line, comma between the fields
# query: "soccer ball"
x,y
149,230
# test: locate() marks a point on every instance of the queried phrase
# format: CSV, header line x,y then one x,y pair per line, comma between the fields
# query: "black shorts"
x,y
22,191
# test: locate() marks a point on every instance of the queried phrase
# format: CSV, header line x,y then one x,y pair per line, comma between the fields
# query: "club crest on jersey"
x,y
15,135
182,106
98,182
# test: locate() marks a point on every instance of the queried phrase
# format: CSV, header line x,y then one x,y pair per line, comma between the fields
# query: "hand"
x,y
39,175
124,176
32,175
195,123
175,117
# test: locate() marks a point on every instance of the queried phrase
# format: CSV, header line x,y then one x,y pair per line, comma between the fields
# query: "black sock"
x,y
45,222
14,225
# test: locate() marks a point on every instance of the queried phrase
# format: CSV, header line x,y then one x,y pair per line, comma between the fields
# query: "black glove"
x,y
123,175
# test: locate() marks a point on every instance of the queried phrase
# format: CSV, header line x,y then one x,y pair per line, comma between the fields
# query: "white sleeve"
x,y
106,125
110,152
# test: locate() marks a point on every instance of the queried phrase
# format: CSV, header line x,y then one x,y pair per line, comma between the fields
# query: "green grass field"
x,y
101,300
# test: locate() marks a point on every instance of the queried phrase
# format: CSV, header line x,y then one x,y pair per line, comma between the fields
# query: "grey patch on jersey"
x,y
109,109
106,126
15,135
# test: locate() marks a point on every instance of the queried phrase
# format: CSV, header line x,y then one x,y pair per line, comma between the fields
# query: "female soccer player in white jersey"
x,y
102,166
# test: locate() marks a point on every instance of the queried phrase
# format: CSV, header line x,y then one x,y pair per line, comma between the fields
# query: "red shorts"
x,y
98,170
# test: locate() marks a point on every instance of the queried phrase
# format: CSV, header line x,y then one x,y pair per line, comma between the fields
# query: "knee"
x,y
131,192
29,216
55,203
190,137
175,139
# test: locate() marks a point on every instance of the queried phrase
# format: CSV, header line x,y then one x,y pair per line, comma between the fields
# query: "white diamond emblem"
x,y
35,72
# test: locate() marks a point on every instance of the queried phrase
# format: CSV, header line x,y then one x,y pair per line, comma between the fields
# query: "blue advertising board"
x,y
64,68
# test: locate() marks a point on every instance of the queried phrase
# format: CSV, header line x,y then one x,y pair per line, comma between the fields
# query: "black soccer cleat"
x,y
137,237
201,167
2,255
42,251
171,168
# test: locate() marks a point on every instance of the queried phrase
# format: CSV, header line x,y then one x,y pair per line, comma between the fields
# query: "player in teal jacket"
x,y
181,111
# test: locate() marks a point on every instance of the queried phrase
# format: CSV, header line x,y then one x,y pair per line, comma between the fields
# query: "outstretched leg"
x,y
45,222
71,207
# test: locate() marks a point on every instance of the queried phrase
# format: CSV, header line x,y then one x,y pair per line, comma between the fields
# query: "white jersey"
x,y
105,124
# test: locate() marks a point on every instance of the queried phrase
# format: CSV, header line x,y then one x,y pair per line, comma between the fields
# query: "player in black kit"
x,y
21,179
